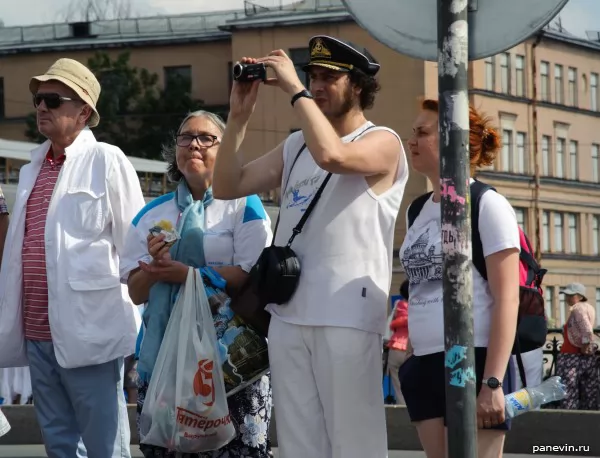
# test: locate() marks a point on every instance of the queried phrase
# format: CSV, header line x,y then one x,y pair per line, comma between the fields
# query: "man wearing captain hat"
x,y
325,343
65,313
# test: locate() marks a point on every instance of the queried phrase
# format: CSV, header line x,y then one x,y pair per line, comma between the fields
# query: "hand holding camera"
x,y
250,72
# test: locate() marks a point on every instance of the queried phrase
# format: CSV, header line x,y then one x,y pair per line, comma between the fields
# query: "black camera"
x,y
246,73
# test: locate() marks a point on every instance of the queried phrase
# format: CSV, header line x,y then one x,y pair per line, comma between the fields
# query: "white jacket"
x,y
91,317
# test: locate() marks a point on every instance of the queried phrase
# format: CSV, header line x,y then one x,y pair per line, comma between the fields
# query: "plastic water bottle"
x,y
527,399
4,425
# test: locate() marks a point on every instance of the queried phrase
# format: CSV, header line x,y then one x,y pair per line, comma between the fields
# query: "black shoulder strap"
x,y
302,148
416,206
477,190
298,229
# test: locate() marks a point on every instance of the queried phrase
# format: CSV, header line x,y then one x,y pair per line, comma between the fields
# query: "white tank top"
x,y
345,248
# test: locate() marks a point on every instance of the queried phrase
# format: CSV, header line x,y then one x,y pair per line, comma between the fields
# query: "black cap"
x,y
340,55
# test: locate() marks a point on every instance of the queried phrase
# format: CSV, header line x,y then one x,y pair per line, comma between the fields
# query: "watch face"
x,y
493,382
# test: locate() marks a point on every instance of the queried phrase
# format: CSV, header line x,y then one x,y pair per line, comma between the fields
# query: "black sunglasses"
x,y
52,100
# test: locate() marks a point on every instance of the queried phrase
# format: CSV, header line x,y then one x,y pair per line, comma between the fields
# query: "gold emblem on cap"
x,y
319,50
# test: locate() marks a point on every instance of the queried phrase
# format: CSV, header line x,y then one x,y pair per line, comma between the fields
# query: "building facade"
x,y
542,95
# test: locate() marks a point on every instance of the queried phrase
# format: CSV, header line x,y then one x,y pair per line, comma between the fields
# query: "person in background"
x,y
577,363
64,311
397,344
495,301
221,237
4,222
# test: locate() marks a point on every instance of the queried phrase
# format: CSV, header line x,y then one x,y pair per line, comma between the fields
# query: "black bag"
x,y
275,276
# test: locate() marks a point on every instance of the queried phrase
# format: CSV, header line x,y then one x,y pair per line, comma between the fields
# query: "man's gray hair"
x,y
169,150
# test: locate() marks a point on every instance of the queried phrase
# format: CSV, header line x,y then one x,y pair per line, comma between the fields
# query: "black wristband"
x,y
302,93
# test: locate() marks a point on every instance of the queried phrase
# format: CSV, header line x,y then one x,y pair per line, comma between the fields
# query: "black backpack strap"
x,y
416,206
477,190
284,189
520,365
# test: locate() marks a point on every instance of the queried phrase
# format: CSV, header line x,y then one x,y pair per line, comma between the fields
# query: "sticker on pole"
x,y
410,26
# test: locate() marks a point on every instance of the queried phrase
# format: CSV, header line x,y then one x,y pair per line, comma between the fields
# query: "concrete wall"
x,y
534,429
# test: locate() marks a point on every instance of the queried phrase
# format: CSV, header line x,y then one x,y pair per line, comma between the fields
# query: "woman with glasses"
x,y
223,239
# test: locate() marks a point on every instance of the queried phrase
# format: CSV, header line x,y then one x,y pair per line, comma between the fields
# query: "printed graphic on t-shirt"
x,y
422,259
301,192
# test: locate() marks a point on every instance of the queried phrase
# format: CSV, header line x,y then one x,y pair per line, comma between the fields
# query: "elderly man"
x,y
64,312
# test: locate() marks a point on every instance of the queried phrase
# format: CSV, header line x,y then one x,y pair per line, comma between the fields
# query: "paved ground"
x,y
36,451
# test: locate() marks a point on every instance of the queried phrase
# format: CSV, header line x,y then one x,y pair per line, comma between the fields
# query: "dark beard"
x,y
347,106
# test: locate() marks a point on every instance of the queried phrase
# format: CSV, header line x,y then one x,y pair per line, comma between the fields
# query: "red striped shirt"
x,y
35,281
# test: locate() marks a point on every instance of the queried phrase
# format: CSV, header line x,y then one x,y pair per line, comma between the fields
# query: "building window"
x,y
2,109
505,72
560,157
595,163
594,92
179,77
545,155
558,232
300,57
520,75
506,149
521,218
490,74
520,160
572,219
562,309
549,302
230,74
597,306
595,234
573,163
545,83
559,88
572,86
546,231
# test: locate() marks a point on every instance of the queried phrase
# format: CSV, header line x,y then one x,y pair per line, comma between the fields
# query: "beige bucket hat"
x,y
78,77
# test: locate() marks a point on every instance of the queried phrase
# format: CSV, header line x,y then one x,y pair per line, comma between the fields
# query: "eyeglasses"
x,y
204,140
52,100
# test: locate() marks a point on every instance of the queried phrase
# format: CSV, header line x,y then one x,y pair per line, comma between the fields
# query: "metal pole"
x,y
453,45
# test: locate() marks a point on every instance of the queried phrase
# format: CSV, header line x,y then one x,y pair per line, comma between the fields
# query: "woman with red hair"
x,y
495,300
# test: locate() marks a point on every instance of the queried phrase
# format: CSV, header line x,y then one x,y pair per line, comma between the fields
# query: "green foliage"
x,y
136,114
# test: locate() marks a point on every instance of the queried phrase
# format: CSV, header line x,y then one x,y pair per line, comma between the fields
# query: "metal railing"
x,y
256,7
139,27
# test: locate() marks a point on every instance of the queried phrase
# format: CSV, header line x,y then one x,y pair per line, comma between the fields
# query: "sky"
x,y
577,16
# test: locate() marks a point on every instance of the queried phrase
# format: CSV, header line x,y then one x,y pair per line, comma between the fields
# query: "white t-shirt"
x,y
346,247
236,232
421,256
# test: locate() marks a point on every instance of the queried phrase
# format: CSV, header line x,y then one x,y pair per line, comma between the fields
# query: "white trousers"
x,y
327,391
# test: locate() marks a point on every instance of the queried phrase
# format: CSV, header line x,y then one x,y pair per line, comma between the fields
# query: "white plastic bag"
x,y
185,409
4,425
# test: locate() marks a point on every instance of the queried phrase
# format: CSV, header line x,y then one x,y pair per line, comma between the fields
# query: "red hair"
x,y
484,140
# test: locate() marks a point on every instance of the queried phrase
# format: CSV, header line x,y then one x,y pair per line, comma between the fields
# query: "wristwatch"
x,y
492,382
302,93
